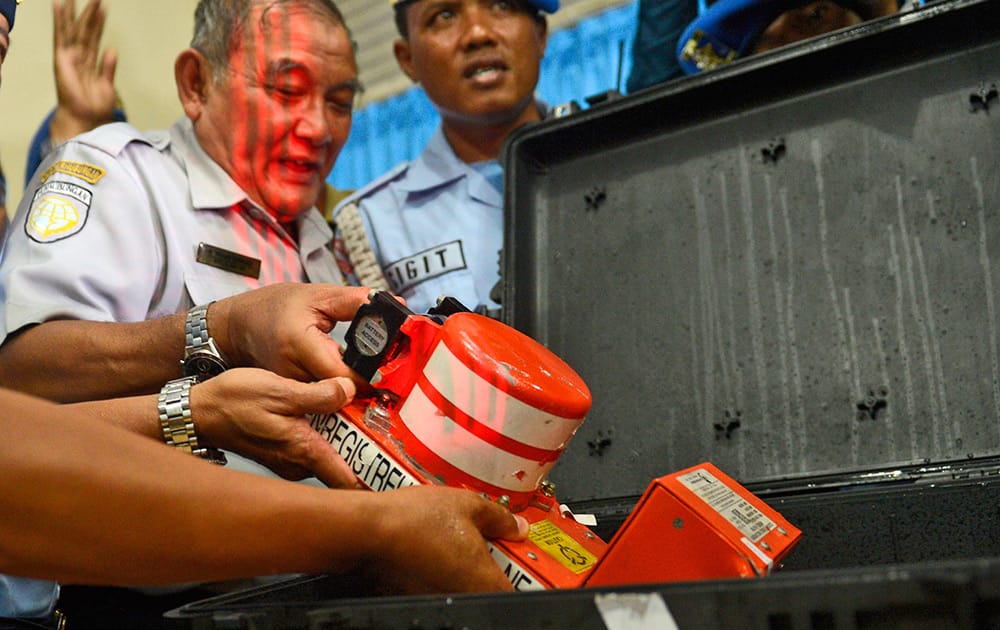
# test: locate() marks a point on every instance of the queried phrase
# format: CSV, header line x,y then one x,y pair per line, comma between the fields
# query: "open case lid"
x,y
787,266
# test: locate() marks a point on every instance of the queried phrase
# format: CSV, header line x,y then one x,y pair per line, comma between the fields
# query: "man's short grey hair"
x,y
219,25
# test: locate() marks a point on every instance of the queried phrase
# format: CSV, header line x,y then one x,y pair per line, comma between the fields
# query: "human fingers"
x,y
90,27
431,540
317,354
60,26
261,415
92,23
324,396
322,459
304,453
497,522
285,328
331,469
109,63
340,303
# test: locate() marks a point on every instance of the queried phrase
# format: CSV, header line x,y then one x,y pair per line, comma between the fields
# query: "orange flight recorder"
x,y
467,401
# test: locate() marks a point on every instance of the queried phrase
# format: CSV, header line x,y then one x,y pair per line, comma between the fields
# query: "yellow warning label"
x,y
561,546
87,172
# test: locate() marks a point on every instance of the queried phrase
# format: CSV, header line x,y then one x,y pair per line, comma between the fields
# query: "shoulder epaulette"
x,y
114,137
376,184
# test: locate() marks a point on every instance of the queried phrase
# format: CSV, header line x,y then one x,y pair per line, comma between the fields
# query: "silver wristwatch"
x,y
174,405
202,358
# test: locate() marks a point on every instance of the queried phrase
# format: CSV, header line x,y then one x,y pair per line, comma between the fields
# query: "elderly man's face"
x,y
478,60
278,119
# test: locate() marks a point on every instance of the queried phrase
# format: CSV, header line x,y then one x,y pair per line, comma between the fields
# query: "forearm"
x,y
136,414
85,502
65,125
72,360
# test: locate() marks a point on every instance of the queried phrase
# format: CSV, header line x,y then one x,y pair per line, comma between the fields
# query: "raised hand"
x,y
85,77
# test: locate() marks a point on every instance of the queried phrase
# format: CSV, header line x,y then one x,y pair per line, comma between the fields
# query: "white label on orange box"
x,y
518,575
374,467
731,506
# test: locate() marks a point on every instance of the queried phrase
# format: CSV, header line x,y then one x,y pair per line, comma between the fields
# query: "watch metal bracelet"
x,y
202,358
196,327
174,405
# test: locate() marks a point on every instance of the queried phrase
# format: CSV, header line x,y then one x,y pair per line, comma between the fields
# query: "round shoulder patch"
x,y
58,210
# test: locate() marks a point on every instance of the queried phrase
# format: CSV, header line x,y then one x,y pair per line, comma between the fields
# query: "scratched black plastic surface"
x,y
957,596
790,266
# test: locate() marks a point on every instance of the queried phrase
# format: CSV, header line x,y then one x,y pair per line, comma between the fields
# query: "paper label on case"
x,y
750,521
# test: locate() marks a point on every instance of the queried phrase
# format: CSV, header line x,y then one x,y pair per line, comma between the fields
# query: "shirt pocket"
x,y
206,286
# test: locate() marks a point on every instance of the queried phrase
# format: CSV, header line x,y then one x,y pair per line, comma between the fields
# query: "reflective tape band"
x,y
464,452
500,411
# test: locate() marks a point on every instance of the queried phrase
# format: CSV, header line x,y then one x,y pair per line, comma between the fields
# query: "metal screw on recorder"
x,y
378,414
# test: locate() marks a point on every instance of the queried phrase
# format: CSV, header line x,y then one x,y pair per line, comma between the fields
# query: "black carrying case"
x,y
787,267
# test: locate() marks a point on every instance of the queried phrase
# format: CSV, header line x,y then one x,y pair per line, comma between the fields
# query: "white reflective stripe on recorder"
x,y
493,408
467,452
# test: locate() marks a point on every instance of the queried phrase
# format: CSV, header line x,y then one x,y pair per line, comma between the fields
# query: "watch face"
x,y
204,365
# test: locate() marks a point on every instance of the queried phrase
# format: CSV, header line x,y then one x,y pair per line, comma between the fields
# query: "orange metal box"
x,y
711,525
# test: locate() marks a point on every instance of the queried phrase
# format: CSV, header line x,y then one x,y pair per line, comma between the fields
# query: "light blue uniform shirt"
x,y
436,227
109,228
23,597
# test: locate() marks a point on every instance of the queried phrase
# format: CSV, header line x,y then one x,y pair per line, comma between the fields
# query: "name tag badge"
x,y
430,263
228,261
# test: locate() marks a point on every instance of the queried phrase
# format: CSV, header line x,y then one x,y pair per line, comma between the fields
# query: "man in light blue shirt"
x,y
434,226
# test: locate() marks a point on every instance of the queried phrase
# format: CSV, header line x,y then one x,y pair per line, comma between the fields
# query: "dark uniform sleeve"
x,y
658,26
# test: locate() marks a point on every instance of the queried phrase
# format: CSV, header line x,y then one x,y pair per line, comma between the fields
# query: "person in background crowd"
x,y
434,226
674,39
659,24
85,80
733,29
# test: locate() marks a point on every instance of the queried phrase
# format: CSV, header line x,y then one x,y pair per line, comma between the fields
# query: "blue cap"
x,y
549,6
8,8
726,31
